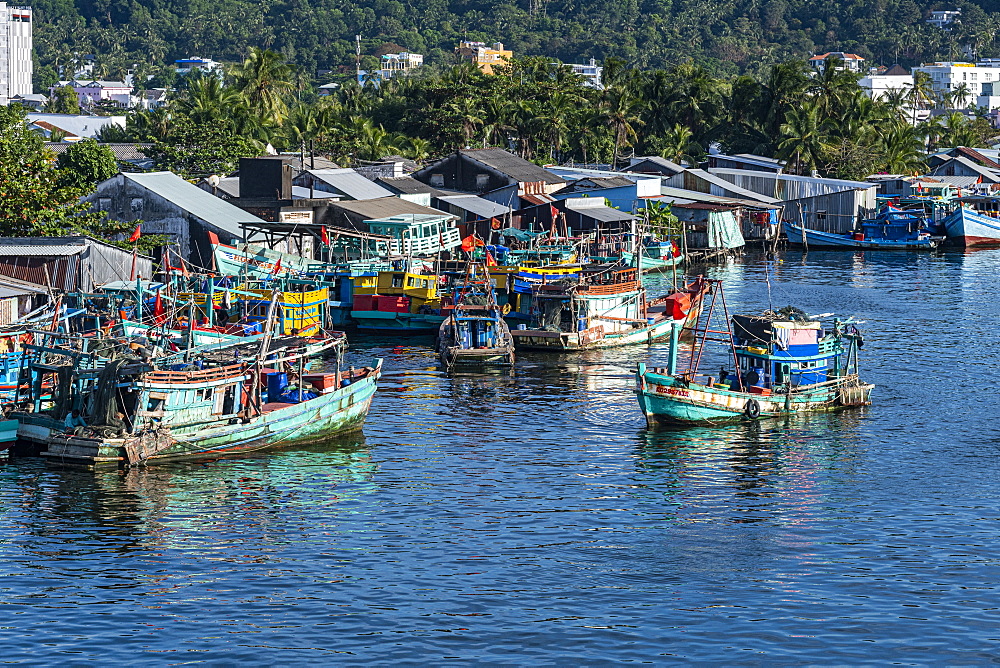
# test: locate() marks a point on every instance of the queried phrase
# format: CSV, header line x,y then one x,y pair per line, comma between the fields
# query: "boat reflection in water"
x,y
217,505
748,472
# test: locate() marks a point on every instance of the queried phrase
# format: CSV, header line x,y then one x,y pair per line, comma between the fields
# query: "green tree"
x,y
36,196
63,100
265,79
193,150
86,163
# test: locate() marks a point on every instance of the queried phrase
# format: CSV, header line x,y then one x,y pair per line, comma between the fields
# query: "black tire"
x,y
752,409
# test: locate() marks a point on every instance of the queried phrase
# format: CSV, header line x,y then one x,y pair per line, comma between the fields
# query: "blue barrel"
x,y
276,384
581,324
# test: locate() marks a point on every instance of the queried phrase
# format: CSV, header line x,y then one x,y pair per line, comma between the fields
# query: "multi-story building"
x,y
851,62
15,51
399,63
980,82
95,92
485,57
591,73
189,65
944,18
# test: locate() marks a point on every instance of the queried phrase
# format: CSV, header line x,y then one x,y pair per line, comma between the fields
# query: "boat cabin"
x,y
416,234
774,353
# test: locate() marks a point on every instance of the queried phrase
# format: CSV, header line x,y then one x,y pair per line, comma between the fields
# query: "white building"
x,y
396,63
851,62
188,65
877,84
591,73
981,81
15,51
944,18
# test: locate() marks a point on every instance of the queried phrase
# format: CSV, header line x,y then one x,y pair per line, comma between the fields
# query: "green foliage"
x,y
38,198
85,164
63,100
193,150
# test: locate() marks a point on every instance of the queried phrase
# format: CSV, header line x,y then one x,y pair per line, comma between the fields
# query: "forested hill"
x,y
725,36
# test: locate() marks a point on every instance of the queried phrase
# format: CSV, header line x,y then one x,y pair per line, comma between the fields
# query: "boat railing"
x,y
609,289
232,371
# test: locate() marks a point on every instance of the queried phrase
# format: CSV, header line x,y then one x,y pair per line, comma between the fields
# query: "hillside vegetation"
x,y
724,36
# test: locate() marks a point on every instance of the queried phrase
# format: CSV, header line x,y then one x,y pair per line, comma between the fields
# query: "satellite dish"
x,y
213,180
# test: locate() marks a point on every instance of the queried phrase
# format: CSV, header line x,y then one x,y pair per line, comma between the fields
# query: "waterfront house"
x,y
756,163
167,204
828,205
68,263
408,188
345,183
491,172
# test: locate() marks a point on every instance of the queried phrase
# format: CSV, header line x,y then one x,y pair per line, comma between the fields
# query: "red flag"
x,y
277,267
490,262
471,243
159,313
324,236
676,251
135,235
555,212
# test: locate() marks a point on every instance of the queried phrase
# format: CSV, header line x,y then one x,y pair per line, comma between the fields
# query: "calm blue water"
x,y
532,519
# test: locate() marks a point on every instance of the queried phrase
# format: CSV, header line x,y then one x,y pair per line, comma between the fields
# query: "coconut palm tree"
x,y
803,137
620,111
679,144
265,79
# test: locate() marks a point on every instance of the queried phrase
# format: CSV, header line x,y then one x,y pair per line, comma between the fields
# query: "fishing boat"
x,y
202,402
474,334
604,307
783,364
967,226
890,229
398,302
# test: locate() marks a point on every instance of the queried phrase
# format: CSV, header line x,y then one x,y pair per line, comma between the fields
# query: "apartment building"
x,y
15,51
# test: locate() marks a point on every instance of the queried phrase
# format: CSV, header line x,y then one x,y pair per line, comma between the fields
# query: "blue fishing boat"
x,y
890,229
474,334
783,364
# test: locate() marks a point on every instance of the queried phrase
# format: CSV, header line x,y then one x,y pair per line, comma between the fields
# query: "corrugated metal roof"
x,y
537,200
350,183
385,207
596,208
408,185
516,168
477,205
194,200
662,163
730,187
47,250
682,195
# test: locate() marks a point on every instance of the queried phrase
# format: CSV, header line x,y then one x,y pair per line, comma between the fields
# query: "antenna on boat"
x,y
767,279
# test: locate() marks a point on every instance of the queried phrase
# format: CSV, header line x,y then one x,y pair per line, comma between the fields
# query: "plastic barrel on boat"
x,y
276,384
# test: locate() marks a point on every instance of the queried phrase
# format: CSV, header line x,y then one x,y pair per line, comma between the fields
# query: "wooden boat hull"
x,y
654,263
452,355
388,322
665,400
341,410
595,337
8,433
966,227
819,239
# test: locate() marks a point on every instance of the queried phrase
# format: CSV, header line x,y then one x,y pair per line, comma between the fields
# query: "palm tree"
x,y
803,138
903,152
679,145
265,79
620,113
961,95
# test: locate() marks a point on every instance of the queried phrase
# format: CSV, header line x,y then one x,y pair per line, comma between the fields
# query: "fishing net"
x,y
551,315
105,416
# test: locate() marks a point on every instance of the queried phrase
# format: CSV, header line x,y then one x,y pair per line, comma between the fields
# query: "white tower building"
x,y
15,51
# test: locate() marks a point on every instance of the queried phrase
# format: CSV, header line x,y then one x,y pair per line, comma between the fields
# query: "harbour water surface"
x,y
531,518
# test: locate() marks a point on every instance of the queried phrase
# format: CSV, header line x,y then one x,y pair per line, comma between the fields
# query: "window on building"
x,y
104,203
821,216
437,179
482,180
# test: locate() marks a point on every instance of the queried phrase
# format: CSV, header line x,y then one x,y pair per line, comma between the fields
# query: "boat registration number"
x,y
676,391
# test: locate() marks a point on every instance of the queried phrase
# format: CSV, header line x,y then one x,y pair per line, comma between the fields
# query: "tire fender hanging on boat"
x,y
752,409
